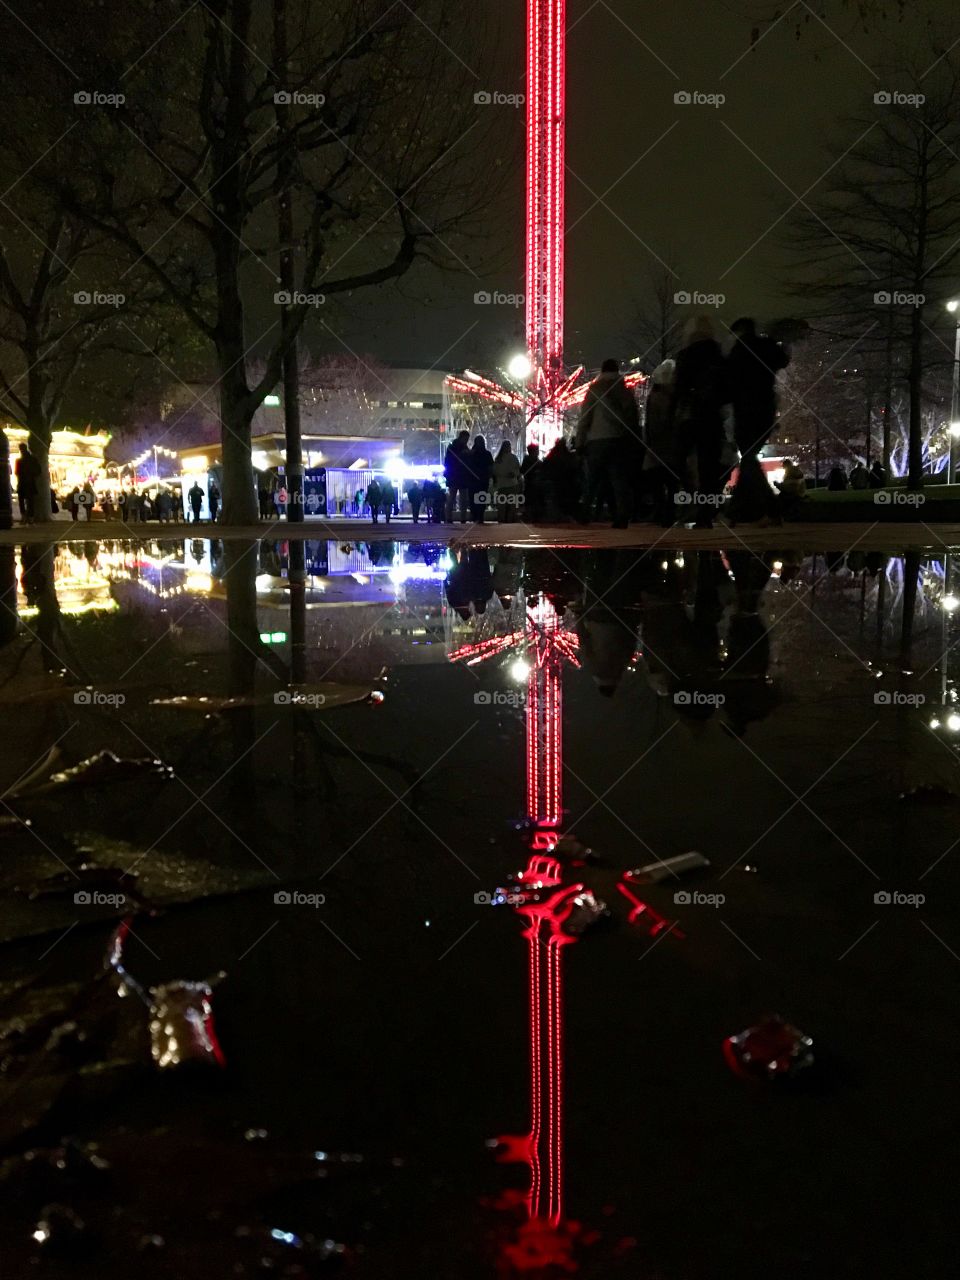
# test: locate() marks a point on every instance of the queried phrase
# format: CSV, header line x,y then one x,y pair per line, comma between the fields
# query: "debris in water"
x,y
642,913
654,872
772,1050
104,767
181,1013
62,1233
585,910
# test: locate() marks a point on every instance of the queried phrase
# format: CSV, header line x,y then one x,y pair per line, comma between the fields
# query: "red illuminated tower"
x,y
546,137
551,390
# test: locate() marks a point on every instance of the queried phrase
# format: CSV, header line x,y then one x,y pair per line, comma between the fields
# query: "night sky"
x,y
698,197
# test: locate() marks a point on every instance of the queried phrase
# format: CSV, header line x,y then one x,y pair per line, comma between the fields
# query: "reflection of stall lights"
x,y
934,723
955,428
953,723
950,603
777,566
198,582
520,669
71,610
272,401
665,565
273,637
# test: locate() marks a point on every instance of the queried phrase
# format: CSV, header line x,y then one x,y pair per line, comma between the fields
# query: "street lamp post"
x,y
953,306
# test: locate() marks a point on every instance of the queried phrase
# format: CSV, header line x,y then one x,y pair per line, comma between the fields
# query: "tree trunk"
x,y
39,445
915,382
240,506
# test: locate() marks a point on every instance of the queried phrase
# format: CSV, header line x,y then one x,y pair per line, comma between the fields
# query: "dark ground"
x,y
390,1023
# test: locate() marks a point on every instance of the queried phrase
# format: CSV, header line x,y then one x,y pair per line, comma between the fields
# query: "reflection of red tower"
x,y
543,645
544,903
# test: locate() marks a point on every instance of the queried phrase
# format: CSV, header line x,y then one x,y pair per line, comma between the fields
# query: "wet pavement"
x,y
376,802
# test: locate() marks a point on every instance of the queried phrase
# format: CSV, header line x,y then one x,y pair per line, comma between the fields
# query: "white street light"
x,y
953,304
520,669
950,603
520,368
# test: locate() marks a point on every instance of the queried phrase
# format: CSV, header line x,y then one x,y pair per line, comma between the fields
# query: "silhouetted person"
x,y
214,494
195,498
481,465
700,392
837,480
415,498
608,419
752,367
531,470
878,475
459,477
27,471
374,498
661,462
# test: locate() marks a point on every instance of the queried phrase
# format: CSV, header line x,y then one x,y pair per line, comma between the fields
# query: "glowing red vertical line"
x,y
536,1103
555,1013
533,744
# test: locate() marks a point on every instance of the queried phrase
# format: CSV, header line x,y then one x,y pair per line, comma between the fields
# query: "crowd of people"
x,y
678,458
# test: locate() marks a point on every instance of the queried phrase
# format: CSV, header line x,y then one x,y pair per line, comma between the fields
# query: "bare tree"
x,y
880,249
659,312
380,157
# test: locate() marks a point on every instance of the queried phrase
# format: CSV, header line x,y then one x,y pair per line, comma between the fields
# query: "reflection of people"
x,y
608,618
470,581
195,496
